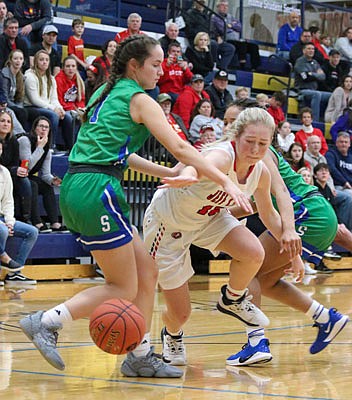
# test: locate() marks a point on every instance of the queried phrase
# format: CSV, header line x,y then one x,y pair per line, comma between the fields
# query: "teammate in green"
x,y
117,121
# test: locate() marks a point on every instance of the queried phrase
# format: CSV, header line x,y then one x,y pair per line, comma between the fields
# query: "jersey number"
x,y
209,210
105,224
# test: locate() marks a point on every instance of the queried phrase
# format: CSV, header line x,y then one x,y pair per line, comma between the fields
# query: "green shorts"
x,y
93,206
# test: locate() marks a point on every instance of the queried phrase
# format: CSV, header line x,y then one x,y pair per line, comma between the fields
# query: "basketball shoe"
x,y
242,309
328,331
249,355
148,366
174,351
44,337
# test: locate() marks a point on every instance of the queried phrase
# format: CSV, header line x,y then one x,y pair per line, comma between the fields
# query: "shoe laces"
x,y
175,344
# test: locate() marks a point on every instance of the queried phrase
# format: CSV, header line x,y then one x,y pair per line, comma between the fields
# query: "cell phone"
x,y
179,58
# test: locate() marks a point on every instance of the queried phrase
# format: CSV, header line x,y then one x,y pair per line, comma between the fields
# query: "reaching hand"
x,y
177,182
292,243
297,269
239,198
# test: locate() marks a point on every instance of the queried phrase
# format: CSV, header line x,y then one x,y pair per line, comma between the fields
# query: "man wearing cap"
x,y
218,93
206,135
10,40
189,97
49,36
334,70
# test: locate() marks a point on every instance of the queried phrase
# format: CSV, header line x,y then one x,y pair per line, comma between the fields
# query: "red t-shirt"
x,y
76,47
120,36
277,114
301,137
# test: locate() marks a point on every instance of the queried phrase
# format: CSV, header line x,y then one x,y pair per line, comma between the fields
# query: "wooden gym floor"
x,y
210,337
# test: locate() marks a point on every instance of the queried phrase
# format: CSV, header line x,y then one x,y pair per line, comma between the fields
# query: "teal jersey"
x,y
110,135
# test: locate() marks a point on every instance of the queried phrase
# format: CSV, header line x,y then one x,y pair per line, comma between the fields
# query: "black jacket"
x,y
6,48
220,100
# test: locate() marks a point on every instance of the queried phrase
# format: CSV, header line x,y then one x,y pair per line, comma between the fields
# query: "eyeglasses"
x,y
43,126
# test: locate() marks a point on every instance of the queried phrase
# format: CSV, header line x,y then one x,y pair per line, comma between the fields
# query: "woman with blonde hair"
x,y
200,55
41,97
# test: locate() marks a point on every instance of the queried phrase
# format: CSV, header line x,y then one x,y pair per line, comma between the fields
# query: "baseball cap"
x,y
222,75
163,97
197,77
203,128
50,29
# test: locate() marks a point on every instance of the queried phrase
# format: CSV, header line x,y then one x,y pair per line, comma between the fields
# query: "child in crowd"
x,y
307,130
75,45
262,100
206,135
242,93
276,101
284,135
295,157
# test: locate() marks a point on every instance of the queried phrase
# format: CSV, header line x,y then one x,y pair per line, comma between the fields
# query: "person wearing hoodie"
x,y
189,97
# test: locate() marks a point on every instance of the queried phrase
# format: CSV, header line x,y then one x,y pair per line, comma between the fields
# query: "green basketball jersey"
x,y
110,135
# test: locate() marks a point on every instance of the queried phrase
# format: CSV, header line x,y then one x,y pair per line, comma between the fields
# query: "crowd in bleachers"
x,y
43,96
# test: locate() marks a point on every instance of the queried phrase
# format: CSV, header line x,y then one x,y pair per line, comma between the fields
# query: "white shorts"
x,y
170,248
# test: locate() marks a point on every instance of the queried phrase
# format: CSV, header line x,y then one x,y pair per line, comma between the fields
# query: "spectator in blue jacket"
x,y
288,35
343,123
340,162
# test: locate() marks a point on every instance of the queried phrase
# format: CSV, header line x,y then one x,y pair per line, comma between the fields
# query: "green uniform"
x,y
315,219
92,202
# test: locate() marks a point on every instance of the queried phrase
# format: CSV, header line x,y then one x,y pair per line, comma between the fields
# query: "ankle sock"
x,y
233,294
318,312
59,314
255,335
144,347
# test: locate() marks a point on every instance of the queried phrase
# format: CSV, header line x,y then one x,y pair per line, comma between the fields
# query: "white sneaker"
x,y
1,283
174,351
308,270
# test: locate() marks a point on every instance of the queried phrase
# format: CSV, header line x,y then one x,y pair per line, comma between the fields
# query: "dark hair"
x,y
196,108
308,44
10,21
320,166
173,44
33,135
243,103
105,46
314,29
279,96
289,158
280,124
100,79
305,110
77,21
135,46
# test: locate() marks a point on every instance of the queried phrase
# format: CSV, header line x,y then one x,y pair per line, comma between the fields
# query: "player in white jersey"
x,y
177,218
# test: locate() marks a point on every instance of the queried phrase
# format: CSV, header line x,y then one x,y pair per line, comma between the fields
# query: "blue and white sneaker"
x,y
328,331
249,355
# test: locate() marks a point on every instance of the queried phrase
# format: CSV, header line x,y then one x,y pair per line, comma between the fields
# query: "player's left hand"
x,y
177,182
296,269
292,243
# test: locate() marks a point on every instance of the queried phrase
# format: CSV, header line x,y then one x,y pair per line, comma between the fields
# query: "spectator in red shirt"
x,y
108,50
315,31
75,43
276,101
134,22
176,72
308,130
189,98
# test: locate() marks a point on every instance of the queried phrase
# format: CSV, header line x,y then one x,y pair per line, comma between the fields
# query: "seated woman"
x,y
95,78
203,114
295,157
200,56
10,227
108,49
13,85
338,100
35,147
70,91
41,97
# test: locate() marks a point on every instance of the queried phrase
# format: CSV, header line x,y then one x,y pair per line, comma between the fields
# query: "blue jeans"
x,y
317,101
28,235
223,54
343,202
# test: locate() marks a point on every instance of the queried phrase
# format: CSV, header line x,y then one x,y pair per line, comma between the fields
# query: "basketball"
x,y
117,326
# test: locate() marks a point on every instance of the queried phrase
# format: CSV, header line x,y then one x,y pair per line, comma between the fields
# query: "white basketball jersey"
x,y
190,207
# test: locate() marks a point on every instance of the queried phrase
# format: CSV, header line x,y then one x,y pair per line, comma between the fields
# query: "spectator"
x,y
312,154
108,50
262,100
206,135
70,92
339,159
295,157
307,175
13,85
95,78
339,99
32,15
10,40
344,46
173,119
134,23
284,135
49,36
170,37
308,74
334,72
41,97
189,97
242,93
343,123
260,31
204,114
3,15
288,35
200,56
10,227
197,19
75,45
176,73
308,130
297,49
315,32
35,148
325,42
276,101
230,31
219,94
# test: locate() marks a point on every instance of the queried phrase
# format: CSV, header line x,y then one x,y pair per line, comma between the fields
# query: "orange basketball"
x,y
117,326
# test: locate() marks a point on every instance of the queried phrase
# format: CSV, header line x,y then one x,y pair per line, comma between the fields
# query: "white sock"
x,y
144,348
318,312
174,334
255,335
233,294
59,314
